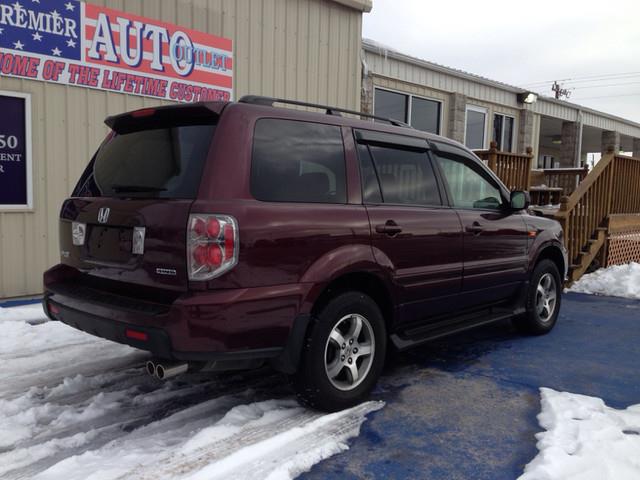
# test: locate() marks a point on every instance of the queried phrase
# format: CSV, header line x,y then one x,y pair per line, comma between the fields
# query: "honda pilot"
x,y
227,235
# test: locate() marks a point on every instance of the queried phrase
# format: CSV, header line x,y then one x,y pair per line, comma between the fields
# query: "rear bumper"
x,y
241,324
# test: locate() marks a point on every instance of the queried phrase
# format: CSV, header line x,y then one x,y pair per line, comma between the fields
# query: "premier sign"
x,y
78,43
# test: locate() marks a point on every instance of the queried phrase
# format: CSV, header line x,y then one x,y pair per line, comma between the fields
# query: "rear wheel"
x,y
543,300
343,354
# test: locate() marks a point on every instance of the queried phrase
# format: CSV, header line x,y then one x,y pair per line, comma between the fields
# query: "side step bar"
x,y
416,336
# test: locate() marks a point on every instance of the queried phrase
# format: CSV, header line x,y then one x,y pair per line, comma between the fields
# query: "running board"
x,y
417,336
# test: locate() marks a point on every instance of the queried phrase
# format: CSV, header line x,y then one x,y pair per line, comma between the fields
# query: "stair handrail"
x,y
568,203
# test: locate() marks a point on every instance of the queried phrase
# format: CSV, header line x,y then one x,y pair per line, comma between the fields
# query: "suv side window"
x,y
405,176
297,161
468,187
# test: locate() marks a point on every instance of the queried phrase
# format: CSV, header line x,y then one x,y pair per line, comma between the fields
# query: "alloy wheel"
x,y
349,352
546,296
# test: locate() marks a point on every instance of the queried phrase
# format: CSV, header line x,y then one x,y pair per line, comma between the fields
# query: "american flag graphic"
x,y
44,27
78,43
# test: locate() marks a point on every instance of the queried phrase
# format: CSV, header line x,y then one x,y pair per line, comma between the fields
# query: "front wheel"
x,y
343,354
543,300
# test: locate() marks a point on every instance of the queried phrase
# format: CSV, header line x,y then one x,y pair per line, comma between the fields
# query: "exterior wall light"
x,y
527,97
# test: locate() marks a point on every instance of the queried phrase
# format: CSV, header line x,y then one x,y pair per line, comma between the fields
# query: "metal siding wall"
x,y
391,67
382,65
302,49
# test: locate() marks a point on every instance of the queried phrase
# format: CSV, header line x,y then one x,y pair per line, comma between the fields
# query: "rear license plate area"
x,y
110,244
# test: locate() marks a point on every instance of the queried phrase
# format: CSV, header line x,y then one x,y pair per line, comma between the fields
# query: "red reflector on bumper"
x,y
53,309
136,335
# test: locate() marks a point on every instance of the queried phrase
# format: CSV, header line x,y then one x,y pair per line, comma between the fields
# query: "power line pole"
x,y
559,91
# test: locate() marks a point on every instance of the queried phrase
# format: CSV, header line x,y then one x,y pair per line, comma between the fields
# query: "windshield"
x,y
153,163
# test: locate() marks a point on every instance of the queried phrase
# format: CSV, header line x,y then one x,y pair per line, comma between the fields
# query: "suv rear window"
x,y
151,163
298,162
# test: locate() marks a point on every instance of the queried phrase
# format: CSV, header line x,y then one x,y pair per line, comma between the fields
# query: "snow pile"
x,y
615,281
27,313
74,406
585,440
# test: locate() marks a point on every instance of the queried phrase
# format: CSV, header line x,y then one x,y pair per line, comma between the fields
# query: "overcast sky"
x,y
524,44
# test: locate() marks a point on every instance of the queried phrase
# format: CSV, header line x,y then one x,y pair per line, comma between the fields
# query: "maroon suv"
x,y
222,236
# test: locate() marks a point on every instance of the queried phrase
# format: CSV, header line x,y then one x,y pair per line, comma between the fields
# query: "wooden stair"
x,y
587,255
610,188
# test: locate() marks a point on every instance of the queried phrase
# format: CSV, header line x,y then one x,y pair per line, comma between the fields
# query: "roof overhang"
x,y
360,5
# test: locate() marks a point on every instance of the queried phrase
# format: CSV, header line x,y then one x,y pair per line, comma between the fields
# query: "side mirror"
x,y
520,200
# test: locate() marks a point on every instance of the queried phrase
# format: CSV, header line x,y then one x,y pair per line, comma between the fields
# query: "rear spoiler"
x,y
166,116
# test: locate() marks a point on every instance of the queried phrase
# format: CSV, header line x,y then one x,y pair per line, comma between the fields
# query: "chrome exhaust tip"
x,y
151,368
167,371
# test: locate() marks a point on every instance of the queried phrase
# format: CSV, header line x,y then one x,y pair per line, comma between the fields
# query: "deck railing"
x,y
566,178
611,187
513,169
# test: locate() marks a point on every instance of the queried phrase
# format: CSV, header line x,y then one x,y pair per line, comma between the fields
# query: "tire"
x,y
543,300
324,379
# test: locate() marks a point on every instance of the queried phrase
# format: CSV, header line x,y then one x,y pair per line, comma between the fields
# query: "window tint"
x,y
425,114
298,162
467,186
406,176
474,133
370,185
155,163
391,105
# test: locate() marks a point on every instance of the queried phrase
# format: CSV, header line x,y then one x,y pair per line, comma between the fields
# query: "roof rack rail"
x,y
269,101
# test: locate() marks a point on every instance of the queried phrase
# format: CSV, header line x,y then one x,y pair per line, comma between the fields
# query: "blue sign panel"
x,y
15,188
47,28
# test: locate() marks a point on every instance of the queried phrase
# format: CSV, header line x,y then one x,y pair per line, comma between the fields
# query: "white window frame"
x,y
410,97
483,110
513,132
28,153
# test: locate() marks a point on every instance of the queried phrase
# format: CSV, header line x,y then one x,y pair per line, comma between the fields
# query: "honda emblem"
x,y
103,214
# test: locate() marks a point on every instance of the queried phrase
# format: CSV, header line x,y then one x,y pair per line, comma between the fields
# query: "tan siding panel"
x,y
304,49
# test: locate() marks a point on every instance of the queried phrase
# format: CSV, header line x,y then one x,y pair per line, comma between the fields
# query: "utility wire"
x,y
585,78
608,85
608,96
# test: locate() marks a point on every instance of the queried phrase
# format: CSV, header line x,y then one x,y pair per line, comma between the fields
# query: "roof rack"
x,y
270,101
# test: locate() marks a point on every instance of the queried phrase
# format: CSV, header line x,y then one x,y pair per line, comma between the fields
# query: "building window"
x,y
475,128
547,161
391,105
503,132
421,113
425,114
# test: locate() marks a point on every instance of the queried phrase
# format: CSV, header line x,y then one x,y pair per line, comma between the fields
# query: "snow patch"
x,y
27,313
585,440
614,281
77,407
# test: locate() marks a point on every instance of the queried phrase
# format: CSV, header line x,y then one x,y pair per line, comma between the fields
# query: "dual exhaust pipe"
x,y
164,371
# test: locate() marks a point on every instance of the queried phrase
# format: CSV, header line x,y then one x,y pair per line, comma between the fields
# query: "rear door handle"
x,y
389,228
474,228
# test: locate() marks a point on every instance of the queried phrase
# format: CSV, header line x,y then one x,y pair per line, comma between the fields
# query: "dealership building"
x,y
65,65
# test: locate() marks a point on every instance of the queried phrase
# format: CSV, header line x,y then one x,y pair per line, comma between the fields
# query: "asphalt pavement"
x,y
465,407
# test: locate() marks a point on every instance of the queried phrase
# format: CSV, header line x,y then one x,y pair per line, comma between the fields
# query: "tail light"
x,y
212,245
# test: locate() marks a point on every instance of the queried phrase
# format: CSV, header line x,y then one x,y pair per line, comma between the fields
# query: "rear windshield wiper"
x,y
136,188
